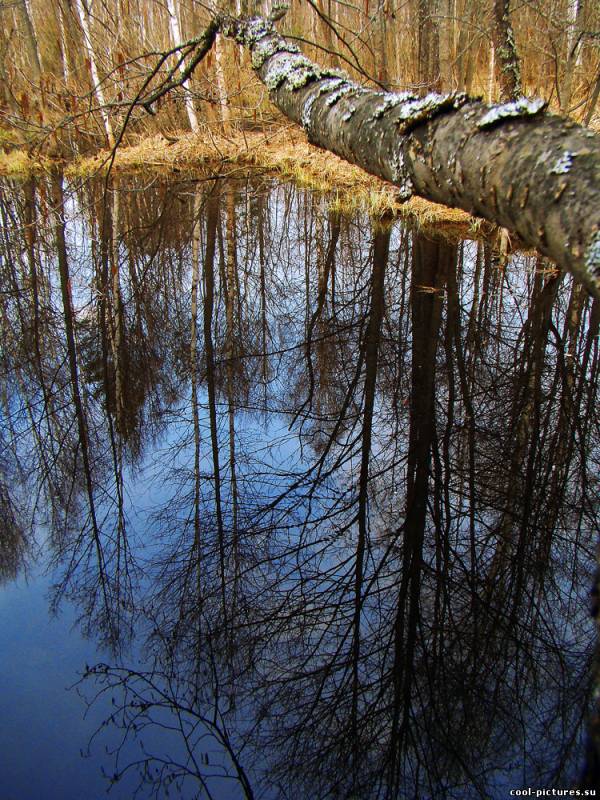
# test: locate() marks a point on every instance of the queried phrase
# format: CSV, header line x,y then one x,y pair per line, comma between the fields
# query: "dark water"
x,y
308,504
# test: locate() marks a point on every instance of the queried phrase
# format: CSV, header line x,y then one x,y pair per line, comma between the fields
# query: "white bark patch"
x,y
523,107
564,163
400,176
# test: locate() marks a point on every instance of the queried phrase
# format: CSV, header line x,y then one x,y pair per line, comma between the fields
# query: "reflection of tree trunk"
x,y
80,415
432,260
513,531
371,352
326,266
196,560
456,346
230,356
115,325
116,328
30,239
212,219
264,325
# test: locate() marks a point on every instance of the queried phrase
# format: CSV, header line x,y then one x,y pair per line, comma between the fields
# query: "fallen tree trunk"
x,y
534,173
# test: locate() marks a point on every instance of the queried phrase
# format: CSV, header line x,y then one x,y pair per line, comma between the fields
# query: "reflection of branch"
x,y
144,698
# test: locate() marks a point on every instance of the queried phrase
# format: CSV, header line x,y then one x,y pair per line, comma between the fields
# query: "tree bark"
x,y
428,46
534,173
508,70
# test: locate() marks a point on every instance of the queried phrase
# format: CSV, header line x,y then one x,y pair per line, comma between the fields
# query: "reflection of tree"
x,y
371,542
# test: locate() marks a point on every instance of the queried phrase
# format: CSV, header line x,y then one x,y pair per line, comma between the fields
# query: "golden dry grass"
x,y
19,164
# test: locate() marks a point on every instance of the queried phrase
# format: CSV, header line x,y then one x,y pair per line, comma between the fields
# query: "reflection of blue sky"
x,y
43,728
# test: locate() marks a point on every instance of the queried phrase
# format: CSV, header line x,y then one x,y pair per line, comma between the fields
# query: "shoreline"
x,y
283,151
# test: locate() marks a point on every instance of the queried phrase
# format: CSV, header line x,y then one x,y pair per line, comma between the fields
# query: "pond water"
x,y
299,504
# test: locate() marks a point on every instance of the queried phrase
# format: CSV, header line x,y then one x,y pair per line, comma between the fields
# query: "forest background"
x,y
70,68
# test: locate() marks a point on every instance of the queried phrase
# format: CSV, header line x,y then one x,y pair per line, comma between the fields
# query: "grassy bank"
x,y
283,151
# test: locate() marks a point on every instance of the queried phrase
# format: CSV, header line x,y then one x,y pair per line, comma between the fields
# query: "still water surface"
x,y
307,503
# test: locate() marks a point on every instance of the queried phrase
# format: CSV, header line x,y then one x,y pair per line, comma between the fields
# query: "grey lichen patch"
x,y
391,100
265,48
523,107
564,163
592,257
412,112
332,72
328,85
247,32
349,114
336,96
293,69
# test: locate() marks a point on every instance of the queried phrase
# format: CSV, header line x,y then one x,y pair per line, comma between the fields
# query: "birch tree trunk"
x,y
175,30
64,52
576,17
83,14
533,173
31,45
222,88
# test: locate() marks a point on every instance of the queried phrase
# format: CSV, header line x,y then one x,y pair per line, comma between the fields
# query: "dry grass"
x,y
19,164
283,151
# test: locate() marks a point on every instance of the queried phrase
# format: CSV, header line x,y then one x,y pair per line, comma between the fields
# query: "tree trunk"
x,y
534,173
428,46
83,14
446,49
173,8
576,18
31,45
508,70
